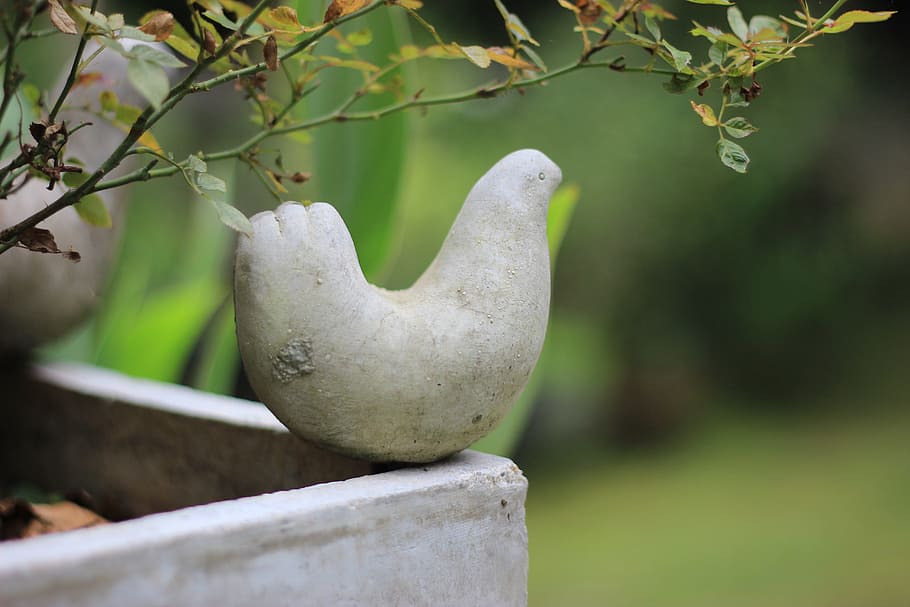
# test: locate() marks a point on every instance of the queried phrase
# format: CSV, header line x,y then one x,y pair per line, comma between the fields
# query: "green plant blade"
x,y
163,333
358,166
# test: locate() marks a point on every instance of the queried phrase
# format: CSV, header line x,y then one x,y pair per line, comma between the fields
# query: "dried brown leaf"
x,y
161,26
208,41
340,8
38,240
589,11
270,53
61,19
62,516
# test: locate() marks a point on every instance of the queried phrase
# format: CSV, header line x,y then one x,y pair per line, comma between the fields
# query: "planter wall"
x,y
233,510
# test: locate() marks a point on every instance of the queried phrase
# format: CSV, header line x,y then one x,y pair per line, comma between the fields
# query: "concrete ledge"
x,y
452,533
141,446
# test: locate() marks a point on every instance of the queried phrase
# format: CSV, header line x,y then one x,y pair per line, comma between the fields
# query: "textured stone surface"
x,y
410,375
450,533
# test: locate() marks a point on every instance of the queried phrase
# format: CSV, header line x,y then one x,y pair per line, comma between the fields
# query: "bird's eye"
x,y
541,176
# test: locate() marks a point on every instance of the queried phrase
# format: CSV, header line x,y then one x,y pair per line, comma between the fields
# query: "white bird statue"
x,y
412,375
43,296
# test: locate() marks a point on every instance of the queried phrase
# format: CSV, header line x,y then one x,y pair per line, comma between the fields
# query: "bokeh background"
x,y
720,414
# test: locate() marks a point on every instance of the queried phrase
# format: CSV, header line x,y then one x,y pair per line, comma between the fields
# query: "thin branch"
x,y
74,69
339,116
10,236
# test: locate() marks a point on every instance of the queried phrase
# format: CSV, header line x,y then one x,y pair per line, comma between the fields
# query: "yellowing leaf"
x,y
409,51
410,4
476,54
354,64
504,57
569,6
851,18
283,19
92,211
705,112
180,40
149,141
340,8
108,100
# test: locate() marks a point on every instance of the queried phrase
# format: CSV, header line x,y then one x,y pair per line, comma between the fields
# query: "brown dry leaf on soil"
x,y
21,519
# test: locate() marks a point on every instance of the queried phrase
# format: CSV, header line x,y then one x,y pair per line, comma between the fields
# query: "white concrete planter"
x,y
233,510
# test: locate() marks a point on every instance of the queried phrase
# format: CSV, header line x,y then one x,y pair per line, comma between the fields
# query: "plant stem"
x,y
339,116
74,69
812,30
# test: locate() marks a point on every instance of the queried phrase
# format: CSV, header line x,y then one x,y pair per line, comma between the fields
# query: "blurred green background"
x,y
720,414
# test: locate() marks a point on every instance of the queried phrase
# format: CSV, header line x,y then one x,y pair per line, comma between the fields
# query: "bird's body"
x,y
410,375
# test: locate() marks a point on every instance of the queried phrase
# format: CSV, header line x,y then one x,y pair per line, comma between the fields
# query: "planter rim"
x,y
174,398
470,470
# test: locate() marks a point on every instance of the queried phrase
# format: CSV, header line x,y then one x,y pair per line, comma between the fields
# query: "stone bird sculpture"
x,y
411,375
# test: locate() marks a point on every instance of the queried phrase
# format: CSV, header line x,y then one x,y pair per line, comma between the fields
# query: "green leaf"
x,y
739,127
156,337
108,101
653,27
559,215
680,83
718,52
681,59
149,79
196,164
715,2
535,58
13,119
732,155
232,217
93,211
738,23
360,38
476,54
220,19
127,114
94,18
71,179
156,56
134,33
759,23
210,183
218,357
518,29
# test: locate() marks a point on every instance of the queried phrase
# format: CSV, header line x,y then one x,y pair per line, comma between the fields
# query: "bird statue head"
x,y
522,182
